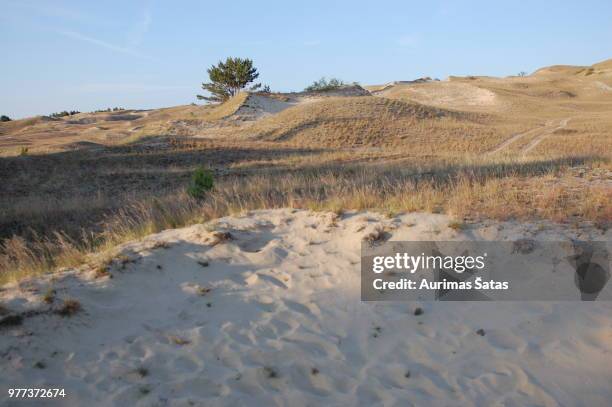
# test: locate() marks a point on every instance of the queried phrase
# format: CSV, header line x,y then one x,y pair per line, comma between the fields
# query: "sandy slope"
x,y
283,324
444,94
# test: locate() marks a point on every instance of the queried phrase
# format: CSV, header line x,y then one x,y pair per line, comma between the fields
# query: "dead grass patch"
x,y
540,189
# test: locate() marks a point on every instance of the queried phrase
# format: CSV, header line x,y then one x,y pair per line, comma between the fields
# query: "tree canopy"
x,y
228,78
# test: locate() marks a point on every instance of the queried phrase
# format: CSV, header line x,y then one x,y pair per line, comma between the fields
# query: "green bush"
x,y
108,110
323,85
5,118
64,113
201,181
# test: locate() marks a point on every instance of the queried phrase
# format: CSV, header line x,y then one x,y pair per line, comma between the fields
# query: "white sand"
x,y
283,324
447,94
257,106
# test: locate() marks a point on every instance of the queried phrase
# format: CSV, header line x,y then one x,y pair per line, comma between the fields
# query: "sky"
x,y
78,55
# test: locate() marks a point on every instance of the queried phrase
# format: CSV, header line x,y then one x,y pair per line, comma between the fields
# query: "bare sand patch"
x,y
448,94
271,315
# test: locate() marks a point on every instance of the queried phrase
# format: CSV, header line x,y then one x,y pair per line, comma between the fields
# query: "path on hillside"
x,y
548,131
541,132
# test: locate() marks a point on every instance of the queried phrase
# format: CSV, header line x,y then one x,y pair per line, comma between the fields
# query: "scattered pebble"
x,y
270,372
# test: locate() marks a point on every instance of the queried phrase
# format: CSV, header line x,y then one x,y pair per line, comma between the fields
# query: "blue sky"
x,y
78,55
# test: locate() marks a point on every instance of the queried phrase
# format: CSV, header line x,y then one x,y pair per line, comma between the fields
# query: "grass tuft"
x,y
69,308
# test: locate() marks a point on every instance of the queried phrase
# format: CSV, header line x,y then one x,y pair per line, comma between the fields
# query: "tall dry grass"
x,y
502,190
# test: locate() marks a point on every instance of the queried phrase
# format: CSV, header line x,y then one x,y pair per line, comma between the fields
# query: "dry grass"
x,y
376,122
228,108
43,135
514,189
69,308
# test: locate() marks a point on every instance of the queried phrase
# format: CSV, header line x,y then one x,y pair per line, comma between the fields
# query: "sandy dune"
x,y
258,105
444,94
264,309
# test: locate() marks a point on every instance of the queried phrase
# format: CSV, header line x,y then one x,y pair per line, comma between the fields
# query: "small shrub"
x,y
5,118
202,181
108,110
69,308
323,85
64,113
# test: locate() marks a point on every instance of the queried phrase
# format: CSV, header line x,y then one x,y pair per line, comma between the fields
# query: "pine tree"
x,y
228,78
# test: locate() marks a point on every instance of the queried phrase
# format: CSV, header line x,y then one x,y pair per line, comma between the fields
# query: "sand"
x,y
445,94
256,106
264,309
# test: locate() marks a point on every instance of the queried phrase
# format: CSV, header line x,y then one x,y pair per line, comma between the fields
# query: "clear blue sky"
x,y
86,55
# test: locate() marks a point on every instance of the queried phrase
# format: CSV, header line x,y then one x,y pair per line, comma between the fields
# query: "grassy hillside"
x,y
375,122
